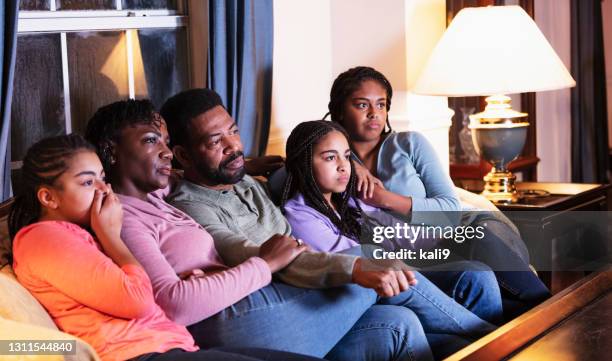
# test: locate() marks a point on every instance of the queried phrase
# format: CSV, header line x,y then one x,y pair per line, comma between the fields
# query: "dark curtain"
x,y
589,113
8,36
240,65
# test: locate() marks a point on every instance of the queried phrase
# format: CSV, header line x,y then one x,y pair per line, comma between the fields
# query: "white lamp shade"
x,y
492,50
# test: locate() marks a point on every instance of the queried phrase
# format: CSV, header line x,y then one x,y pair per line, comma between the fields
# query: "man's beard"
x,y
221,175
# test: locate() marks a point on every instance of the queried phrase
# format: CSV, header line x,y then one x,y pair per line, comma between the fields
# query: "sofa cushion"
x,y
17,304
12,330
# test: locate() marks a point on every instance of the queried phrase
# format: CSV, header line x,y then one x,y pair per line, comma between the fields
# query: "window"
x,y
74,56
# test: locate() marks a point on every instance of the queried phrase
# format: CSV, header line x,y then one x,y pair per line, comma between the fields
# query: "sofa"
x,y
23,318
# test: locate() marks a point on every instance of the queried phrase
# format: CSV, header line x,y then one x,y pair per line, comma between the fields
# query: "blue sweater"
x,y
408,165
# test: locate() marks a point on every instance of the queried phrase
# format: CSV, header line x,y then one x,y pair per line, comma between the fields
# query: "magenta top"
x,y
167,242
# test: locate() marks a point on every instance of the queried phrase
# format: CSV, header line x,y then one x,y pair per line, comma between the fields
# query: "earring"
x,y
113,160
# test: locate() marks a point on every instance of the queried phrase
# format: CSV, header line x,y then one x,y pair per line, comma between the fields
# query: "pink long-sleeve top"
x,y
167,242
89,296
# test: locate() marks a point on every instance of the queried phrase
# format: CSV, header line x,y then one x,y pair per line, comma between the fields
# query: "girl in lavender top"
x,y
319,201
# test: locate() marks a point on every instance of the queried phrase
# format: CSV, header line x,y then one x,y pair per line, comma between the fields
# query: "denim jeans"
x,y
318,322
438,312
472,284
384,333
521,288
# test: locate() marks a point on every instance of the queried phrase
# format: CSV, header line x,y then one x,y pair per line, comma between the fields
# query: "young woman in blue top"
x,y
402,173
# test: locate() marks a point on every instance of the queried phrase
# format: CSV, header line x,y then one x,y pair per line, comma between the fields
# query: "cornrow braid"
x,y
347,83
43,164
300,178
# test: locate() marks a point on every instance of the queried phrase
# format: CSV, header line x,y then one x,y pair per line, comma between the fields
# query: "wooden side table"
x,y
563,196
538,219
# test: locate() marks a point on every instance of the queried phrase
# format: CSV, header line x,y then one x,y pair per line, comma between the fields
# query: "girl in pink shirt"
x,y
92,288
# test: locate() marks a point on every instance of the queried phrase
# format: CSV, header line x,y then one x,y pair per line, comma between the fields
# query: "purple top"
x,y
322,235
306,222
167,242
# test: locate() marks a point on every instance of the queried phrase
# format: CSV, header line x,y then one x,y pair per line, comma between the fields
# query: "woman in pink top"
x,y
92,288
235,304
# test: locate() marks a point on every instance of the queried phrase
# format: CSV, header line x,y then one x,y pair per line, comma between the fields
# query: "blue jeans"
x,y
383,333
472,285
438,312
318,322
521,288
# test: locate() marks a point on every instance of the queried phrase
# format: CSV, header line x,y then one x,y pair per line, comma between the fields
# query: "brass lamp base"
x,y
499,135
499,187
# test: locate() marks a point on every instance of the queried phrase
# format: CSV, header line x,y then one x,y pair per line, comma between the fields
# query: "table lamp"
x,y
494,51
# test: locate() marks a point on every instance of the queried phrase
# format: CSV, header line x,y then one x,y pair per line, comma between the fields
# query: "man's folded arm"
x,y
308,270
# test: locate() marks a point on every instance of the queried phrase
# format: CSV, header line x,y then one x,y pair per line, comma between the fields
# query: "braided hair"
x,y
43,164
105,126
347,83
300,178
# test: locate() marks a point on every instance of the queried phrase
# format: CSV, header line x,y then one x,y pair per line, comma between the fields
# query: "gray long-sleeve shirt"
x,y
243,218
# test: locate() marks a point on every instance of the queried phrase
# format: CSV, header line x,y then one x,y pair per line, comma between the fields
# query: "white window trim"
x,y
130,63
28,14
92,23
66,83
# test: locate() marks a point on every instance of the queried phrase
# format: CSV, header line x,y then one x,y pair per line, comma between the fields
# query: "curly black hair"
x,y
348,82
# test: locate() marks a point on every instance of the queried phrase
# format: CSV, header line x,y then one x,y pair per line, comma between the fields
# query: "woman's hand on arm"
x,y
279,251
180,291
106,217
194,273
382,198
366,182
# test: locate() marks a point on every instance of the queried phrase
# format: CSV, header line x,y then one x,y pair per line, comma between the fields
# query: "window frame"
x,y
64,21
